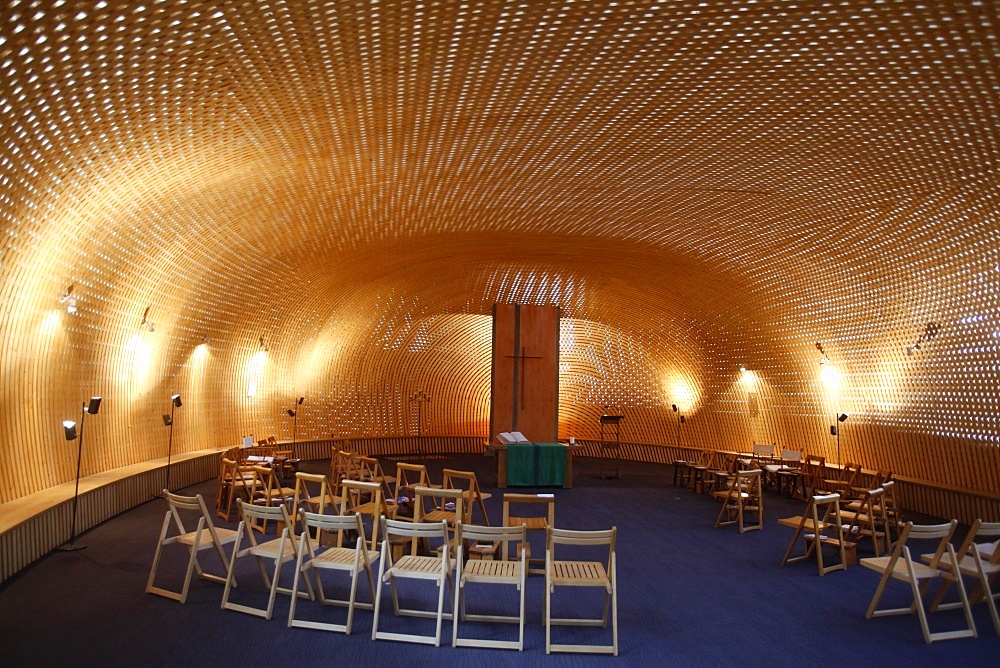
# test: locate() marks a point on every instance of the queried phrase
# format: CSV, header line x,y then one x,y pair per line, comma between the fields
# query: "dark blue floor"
x,y
689,594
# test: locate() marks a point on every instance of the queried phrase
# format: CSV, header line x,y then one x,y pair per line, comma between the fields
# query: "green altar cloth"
x,y
536,465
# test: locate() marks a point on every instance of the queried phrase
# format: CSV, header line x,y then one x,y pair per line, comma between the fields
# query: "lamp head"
x,y
94,405
674,407
301,399
291,413
167,421
842,417
175,399
69,427
682,419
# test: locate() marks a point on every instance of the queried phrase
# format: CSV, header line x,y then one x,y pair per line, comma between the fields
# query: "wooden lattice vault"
x,y
699,186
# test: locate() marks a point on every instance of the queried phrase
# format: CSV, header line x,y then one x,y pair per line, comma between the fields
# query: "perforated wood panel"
x,y
698,186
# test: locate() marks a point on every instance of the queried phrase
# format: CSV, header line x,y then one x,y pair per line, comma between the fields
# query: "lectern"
x,y
610,443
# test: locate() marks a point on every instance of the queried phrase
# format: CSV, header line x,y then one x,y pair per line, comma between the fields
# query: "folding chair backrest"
x,y
467,482
572,537
763,450
364,498
319,496
415,530
337,525
791,456
195,506
504,535
989,549
541,518
440,499
252,513
920,532
409,476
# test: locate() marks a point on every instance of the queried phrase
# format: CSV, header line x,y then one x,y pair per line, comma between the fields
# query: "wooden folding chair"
x,y
206,536
497,572
474,496
546,503
976,560
313,557
409,476
867,519
234,483
699,470
817,531
266,490
783,472
313,493
364,499
282,549
842,484
900,565
813,471
577,573
743,496
412,566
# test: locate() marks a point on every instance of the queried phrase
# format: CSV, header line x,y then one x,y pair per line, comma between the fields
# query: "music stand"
x,y
610,428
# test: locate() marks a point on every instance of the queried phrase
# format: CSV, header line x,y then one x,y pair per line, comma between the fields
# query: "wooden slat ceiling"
x,y
699,185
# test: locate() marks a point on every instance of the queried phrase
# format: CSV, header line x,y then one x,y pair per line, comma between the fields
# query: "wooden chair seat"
x,y
581,573
279,550
313,558
413,566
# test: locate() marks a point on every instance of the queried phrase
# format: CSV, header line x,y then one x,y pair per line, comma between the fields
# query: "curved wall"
x,y
698,186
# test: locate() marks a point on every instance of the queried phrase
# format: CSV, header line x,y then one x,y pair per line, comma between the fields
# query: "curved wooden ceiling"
x,y
698,185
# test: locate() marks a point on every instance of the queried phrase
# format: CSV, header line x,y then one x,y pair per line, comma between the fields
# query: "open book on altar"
x,y
508,437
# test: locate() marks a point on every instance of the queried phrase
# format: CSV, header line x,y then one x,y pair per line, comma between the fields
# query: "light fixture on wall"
x,y
146,322
74,431
835,431
823,359
168,420
68,299
263,343
930,331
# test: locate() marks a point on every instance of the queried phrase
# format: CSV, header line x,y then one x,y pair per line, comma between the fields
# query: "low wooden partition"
x,y
33,526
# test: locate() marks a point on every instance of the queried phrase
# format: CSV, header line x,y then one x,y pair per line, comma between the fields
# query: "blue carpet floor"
x,y
689,595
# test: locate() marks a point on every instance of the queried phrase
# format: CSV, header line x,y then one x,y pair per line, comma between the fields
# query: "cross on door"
x,y
519,378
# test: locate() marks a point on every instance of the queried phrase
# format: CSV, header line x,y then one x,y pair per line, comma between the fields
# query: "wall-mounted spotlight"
x,y
823,359
263,343
68,299
146,322
930,331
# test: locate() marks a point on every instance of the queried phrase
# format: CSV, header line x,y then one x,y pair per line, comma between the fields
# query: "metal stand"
x,y
610,429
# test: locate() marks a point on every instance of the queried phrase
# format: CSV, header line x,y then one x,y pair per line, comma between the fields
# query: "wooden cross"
x,y
523,356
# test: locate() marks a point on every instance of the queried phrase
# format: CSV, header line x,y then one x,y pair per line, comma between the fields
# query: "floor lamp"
x,y
70,428
294,414
168,420
835,431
